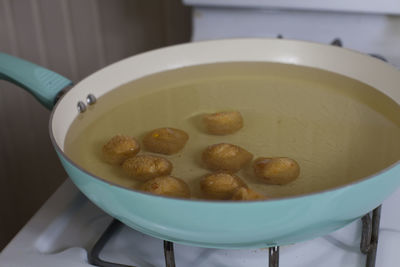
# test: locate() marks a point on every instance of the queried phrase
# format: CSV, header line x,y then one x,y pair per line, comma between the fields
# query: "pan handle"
x,y
42,83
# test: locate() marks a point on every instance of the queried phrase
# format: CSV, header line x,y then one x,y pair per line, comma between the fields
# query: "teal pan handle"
x,y
42,83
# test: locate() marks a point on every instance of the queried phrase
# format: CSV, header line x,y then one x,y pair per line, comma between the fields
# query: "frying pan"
x,y
216,223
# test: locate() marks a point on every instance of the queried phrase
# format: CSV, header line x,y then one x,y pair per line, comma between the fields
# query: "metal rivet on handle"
x,y
81,107
91,99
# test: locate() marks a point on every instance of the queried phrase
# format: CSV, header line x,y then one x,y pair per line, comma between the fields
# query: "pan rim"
x,y
224,202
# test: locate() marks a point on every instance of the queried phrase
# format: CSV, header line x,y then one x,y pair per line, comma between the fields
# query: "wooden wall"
x,y
73,38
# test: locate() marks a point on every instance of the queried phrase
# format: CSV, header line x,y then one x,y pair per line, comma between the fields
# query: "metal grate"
x,y
113,228
368,245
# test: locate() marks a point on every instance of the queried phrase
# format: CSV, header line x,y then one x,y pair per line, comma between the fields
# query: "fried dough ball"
x,y
145,167
244,193
166,186
225,157
222,123
276,170
119,148
220,185
165,140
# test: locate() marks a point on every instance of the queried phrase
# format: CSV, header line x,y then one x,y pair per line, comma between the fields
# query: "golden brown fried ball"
x,y
276,170
145,167
223,123
220,185
165,140
119,148
166,186
225,157
244,193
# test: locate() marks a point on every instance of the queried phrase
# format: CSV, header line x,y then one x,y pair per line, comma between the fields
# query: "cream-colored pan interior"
x,y
326,121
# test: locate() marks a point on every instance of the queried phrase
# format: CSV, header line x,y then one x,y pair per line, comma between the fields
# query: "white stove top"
x,y
367,33
67,226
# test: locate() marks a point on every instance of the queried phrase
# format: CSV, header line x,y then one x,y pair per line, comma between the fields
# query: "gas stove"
x,y
64,231
66,228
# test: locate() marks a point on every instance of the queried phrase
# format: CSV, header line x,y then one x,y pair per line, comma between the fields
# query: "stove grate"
x,y
369,236
368,244
169,254
94,254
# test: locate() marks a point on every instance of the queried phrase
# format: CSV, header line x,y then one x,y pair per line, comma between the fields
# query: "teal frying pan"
x,y
215,224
